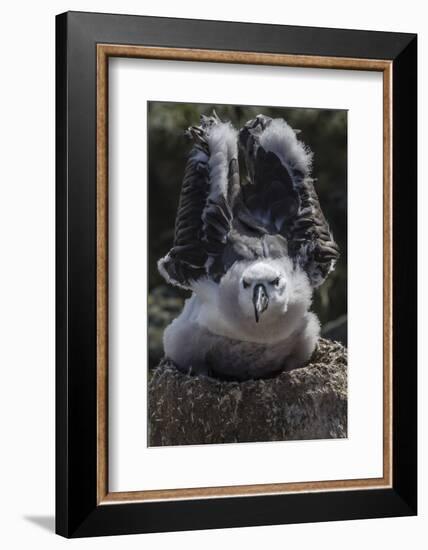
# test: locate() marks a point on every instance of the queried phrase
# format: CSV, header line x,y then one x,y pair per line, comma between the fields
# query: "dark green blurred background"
x,y
324,131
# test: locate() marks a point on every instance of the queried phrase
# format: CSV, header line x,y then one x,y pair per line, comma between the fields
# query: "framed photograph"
x,y
236,274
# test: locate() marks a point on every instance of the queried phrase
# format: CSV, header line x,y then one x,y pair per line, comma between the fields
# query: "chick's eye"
x,y
245,284
275,282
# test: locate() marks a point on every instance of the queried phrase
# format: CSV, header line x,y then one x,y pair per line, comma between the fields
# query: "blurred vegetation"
x,y
324,131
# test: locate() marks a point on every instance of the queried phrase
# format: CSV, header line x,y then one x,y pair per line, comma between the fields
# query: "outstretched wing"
x,y
281,195
204,215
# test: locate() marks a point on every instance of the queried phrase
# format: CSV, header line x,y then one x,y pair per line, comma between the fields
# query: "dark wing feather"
x,y
204,215
281,194
311,240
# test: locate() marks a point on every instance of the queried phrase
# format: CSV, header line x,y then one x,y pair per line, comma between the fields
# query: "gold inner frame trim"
x,y
104,51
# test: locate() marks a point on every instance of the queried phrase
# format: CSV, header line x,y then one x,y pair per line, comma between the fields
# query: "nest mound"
x,y
305,403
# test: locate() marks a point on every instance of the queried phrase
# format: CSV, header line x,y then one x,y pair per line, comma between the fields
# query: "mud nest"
x,y
306,403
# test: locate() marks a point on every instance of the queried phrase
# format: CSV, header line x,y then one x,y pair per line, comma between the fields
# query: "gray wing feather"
x,y
281,194
204,215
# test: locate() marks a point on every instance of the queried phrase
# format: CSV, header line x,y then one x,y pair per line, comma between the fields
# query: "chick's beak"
x,y
260,300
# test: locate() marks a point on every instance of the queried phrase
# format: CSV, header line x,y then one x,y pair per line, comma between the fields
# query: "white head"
x,y
264,299
263,291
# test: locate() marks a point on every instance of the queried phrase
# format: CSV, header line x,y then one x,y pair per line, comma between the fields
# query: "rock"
x,y
305,403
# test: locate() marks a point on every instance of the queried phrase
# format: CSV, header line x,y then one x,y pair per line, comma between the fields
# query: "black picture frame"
x,y
78,513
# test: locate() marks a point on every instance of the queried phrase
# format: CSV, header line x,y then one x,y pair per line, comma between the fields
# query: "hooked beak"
x,y
260,300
